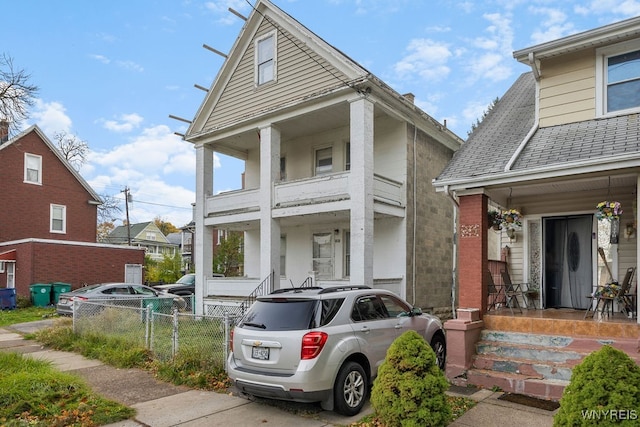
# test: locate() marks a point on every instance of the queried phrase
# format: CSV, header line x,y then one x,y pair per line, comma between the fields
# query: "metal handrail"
x,y
265,287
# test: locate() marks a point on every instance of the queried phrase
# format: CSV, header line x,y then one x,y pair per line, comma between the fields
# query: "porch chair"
x,y
622,297
519,289
496,296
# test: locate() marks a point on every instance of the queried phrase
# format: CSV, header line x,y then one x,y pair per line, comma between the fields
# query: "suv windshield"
x,y
281,314
187,279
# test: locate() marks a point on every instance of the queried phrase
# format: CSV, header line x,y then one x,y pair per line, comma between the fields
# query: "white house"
x,y
338,171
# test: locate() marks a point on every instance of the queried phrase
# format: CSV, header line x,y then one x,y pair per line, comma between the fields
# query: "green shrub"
x,y
604,390
410,388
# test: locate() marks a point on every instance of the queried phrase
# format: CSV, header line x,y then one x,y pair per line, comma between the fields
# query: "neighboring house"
x,y
563,138
338,170
145,235
48,219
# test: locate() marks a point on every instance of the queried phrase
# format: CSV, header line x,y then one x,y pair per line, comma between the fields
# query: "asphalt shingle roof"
x,y
493,143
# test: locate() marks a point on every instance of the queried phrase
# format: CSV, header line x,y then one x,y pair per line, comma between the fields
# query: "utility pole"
x,y
127,199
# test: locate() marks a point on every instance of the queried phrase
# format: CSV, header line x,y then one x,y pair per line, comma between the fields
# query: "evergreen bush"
x,y
604,390
410,388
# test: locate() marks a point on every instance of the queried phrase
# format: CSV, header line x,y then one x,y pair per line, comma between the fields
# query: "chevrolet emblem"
x,y
257,343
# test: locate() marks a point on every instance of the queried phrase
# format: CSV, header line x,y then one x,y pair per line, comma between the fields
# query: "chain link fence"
x,y
159,325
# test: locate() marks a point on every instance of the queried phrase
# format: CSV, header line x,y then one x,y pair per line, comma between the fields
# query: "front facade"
x,y
338,170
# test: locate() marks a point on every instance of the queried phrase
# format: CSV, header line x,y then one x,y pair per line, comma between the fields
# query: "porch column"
x,y
473,256
203,245
361,191
269,227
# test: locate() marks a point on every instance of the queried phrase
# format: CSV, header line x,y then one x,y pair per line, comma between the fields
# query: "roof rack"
x,y
342,288
307,288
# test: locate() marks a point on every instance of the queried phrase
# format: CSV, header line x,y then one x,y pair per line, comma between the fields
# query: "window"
x,y
11,275
1,266
150,235
283,169
283,255
266,59
32,168
324,161
58,219
347,156
618,78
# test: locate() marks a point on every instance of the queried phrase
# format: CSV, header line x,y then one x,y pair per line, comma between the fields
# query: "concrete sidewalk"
x,y
160,404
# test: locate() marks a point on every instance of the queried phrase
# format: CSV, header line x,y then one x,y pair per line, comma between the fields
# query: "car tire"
x,y
350,389
439,346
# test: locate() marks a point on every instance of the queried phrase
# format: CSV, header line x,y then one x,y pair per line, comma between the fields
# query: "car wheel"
x,y
350,390
439,347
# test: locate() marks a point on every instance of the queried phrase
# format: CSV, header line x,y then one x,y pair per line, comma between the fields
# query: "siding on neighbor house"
x,y
434,227
298,76
567,89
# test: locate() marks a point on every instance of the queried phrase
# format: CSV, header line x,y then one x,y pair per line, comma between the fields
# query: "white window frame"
x,y
317,151
257,77
2,266
11,274
38,159
63,209
602,54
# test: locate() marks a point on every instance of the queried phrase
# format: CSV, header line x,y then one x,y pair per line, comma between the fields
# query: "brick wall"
x,y
25,208
74,263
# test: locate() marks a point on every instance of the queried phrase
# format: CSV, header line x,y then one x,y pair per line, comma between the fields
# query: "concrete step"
x,y
548,389
522,366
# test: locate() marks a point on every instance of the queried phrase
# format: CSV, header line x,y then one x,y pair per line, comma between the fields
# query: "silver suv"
x,y
323,344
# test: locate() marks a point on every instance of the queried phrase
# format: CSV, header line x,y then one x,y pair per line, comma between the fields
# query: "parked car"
x,y
323,344
110,291
185,286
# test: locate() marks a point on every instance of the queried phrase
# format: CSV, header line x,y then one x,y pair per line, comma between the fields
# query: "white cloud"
x,y
221,10
51,117
100,58
426,58
554,25
626,8
130,65
124,123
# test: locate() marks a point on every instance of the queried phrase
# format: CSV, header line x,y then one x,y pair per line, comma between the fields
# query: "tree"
x,y
165,226
104,229
229,257
485,113
72,148
16,93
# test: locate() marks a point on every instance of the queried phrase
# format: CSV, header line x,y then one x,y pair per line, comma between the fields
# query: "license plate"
x,y
260,353
63,301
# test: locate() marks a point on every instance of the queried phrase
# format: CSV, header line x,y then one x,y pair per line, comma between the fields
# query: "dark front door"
x,y
568,272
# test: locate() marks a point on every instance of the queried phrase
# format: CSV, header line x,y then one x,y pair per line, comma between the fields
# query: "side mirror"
x,y
416,311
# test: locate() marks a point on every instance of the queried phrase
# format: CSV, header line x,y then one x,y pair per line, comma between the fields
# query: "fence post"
x,y
174,346
227,324
147,328
73,315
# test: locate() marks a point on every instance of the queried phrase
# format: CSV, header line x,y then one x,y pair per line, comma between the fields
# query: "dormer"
x,y
590,75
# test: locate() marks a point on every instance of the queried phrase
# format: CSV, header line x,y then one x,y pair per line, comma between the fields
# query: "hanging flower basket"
x,y
608,210
511,219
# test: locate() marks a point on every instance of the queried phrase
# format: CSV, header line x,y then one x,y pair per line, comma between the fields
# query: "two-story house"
x,y
48,220
144,235
338,169
564,138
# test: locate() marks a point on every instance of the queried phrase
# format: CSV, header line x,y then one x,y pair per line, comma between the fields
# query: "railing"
x,y
307,283
265,287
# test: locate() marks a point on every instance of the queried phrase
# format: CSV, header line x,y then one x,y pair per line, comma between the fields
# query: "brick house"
x,y
48,219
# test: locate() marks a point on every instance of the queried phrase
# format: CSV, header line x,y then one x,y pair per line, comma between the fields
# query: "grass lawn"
x,y
22,315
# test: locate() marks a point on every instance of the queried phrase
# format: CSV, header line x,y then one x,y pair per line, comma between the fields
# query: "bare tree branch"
x,y
16,94
72,148
109,209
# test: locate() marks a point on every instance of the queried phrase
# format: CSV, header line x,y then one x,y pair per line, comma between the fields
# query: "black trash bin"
x,y
7,298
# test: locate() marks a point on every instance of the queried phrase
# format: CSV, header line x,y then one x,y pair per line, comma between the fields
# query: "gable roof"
x,y
508,147
340,75
119,234
56,151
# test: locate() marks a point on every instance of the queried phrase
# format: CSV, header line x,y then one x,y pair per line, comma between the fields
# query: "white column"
x,y
635,214
361,189
269,227
203,245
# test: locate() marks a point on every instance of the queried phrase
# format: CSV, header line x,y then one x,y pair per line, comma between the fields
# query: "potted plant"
x,y
608,210
511,218
495,219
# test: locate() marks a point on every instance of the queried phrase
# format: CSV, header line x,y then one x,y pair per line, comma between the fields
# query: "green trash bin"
x,y
40,294
59,288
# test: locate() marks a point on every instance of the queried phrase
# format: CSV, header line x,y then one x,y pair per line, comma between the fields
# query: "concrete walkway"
x,y
160,404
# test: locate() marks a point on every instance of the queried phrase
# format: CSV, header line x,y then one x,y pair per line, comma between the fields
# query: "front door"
x,y
323,255
568,273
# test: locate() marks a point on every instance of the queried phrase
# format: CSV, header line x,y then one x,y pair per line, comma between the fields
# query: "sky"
x,y
111,72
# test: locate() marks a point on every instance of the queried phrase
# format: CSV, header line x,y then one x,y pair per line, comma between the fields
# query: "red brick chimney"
x,y
4,131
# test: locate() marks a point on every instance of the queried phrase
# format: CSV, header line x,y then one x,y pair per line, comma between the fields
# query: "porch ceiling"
x,y
501,193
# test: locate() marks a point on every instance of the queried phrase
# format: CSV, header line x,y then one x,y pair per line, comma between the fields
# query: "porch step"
x,y
534,364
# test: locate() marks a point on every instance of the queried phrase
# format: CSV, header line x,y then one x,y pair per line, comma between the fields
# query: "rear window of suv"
x,y
281,314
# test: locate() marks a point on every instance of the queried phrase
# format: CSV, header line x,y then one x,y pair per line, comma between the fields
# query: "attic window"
x,y
265,59
618,75
32,168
